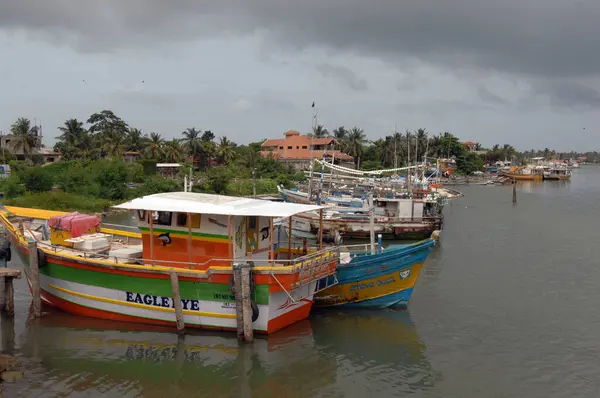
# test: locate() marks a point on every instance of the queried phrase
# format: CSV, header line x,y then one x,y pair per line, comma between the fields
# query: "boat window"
x,y
252,222
304,147
181,219
141,214
195,220
162,217
289,147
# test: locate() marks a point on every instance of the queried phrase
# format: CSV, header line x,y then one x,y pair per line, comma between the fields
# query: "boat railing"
x,y
307,262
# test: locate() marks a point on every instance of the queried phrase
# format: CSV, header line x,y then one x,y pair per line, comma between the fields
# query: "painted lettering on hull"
x,y
160,301
371,284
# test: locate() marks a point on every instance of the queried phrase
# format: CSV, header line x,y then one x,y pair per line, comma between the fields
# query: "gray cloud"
x,y
569,94
489,97
343,74
541,37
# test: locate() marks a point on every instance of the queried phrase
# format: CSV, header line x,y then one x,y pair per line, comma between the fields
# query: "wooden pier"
x,y
9,274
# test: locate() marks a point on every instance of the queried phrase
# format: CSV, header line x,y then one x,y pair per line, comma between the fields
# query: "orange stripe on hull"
x,y
289,318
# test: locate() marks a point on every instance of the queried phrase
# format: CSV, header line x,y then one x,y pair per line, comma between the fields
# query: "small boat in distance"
x,y
384,279
557,173
523,173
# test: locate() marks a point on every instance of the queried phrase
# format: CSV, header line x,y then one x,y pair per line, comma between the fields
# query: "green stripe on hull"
x,y
156,287
176,232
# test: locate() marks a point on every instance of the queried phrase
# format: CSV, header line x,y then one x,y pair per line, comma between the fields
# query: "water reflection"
x,y
380,351
325,355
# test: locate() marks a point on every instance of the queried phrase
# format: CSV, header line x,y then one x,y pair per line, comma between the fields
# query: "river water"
x,y
505,307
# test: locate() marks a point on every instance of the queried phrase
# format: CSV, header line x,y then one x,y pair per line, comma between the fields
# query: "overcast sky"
x,y
525,72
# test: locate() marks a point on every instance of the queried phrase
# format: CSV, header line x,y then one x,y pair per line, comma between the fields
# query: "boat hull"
x,y
141,294
380,280
523,177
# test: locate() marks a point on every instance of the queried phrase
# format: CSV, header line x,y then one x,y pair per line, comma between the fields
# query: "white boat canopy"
x,y
201,203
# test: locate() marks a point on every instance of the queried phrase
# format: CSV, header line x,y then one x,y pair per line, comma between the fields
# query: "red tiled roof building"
x,y
298,149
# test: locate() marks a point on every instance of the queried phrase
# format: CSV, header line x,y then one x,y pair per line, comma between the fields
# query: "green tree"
x,y
319,131
340,133
37,179
468,162
135,140
225,150
111,176
208,136
154,147
354,144
173,152
26,136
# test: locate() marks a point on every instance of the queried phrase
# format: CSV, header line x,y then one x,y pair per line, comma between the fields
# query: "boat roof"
x,y
202,203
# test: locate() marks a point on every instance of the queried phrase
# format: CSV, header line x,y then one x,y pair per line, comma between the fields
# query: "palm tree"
x,y
112,143
192,142
154,147
354,144
26,137
225,150
173,151
72,133
208,136
421,143
319,131
340,133
134,141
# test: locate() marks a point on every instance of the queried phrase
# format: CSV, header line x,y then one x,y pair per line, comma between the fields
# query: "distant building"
x,y
471,145
131,156
8,143
168,170
297,149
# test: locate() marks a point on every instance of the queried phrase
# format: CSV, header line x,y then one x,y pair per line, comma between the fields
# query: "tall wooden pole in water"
x,y
372,222
514,191
239,313
246,305
34,277
177,302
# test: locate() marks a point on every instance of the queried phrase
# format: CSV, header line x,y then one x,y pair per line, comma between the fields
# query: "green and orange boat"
x,y
199,237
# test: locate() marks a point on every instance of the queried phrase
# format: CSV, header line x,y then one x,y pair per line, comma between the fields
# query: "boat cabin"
x,y
182,229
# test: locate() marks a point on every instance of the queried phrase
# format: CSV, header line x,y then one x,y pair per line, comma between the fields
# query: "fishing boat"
x,y
385,278
191,238
411,219
557,173
523,173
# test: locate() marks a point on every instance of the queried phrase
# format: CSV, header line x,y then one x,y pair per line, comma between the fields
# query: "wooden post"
x,y
177,302
230,242
372,223
34,277
151,227
239,313
9,296
271,241
514,191
320,229
246,305
290,239
190,247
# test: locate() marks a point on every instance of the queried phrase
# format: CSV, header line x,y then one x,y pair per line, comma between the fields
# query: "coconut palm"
x,y
192,142
154,146
135,140
73,133
208,136
354,144
319,131
173,151
26,137
340,133
225,150
112,143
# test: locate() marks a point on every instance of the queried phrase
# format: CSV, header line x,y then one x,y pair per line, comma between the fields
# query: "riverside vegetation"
x,y
92,174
